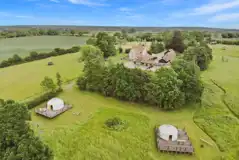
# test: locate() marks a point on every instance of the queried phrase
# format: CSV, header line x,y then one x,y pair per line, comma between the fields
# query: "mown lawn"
x,y
84,136
24,45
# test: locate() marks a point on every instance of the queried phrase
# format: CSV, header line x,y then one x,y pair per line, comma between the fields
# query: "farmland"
x,y
85,137
24,45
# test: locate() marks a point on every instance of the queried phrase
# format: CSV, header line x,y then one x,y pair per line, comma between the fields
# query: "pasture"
x,y
24,45
85,137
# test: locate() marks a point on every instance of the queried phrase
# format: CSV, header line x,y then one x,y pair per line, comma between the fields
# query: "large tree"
x,y
106,43
189,74
164,90
201,55
17,140
176,43
92,79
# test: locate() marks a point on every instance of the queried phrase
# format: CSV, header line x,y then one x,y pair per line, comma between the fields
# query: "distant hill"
x,y
117,28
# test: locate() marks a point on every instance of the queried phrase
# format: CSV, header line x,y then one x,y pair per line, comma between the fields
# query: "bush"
x,y
116,124
33,102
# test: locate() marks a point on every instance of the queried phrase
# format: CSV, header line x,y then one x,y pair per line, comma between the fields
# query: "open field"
x,y
85,137
23,45
21,81
219,113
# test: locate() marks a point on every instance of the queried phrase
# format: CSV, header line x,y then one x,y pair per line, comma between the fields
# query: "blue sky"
x,y
206,13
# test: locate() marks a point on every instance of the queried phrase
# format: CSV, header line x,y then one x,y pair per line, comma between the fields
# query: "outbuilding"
x,y
168,132
55,104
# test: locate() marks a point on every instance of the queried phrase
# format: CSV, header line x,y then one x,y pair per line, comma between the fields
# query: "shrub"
x,y
116,124
33,102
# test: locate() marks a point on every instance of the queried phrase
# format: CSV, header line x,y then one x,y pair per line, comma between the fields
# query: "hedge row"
x,y
228,42
33,56
33,102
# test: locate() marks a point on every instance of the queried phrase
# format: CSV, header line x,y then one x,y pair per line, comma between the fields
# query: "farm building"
x,y
138,53
54,107
171,139
139,58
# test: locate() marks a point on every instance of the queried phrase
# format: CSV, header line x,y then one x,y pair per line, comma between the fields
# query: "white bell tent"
x,y
55,104
168,132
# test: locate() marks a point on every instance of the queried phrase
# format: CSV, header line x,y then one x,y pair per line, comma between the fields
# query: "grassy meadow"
x,y
24,45
85,136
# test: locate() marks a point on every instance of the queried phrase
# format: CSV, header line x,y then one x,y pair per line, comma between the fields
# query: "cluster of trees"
x,y
230,35
17,140
200,54
167,88
105,42
40,32
16,59
156,47
229,42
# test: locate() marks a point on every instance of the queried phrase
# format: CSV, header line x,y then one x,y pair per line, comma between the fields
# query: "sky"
x,y
155,13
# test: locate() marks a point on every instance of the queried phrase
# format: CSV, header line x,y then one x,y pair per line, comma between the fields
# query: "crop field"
x,y
24,45
85,136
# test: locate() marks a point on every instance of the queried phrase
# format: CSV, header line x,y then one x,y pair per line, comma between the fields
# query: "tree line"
x,y
228,42
33,56
41,32
167,88
230,35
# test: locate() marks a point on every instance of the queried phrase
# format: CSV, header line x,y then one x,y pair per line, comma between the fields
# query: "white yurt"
x,y
55,104
168,132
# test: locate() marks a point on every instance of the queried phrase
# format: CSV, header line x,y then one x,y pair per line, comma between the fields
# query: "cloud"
x,y
88,2
225,17
56,1
214,7
125,9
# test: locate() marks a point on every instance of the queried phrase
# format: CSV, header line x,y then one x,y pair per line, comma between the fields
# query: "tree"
x,y
132,30
189,74
201,55
73,32
164,90
176,43
156,47
91,41
106,44
48,84
59,81
93,69
18,141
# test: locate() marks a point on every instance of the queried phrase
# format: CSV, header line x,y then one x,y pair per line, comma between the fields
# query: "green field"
x,y
22,46
85,137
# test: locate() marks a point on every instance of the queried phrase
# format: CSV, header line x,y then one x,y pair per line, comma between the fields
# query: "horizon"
x,y
222,14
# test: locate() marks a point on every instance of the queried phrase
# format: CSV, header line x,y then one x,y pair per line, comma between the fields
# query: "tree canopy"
x,y
176,43
18,141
